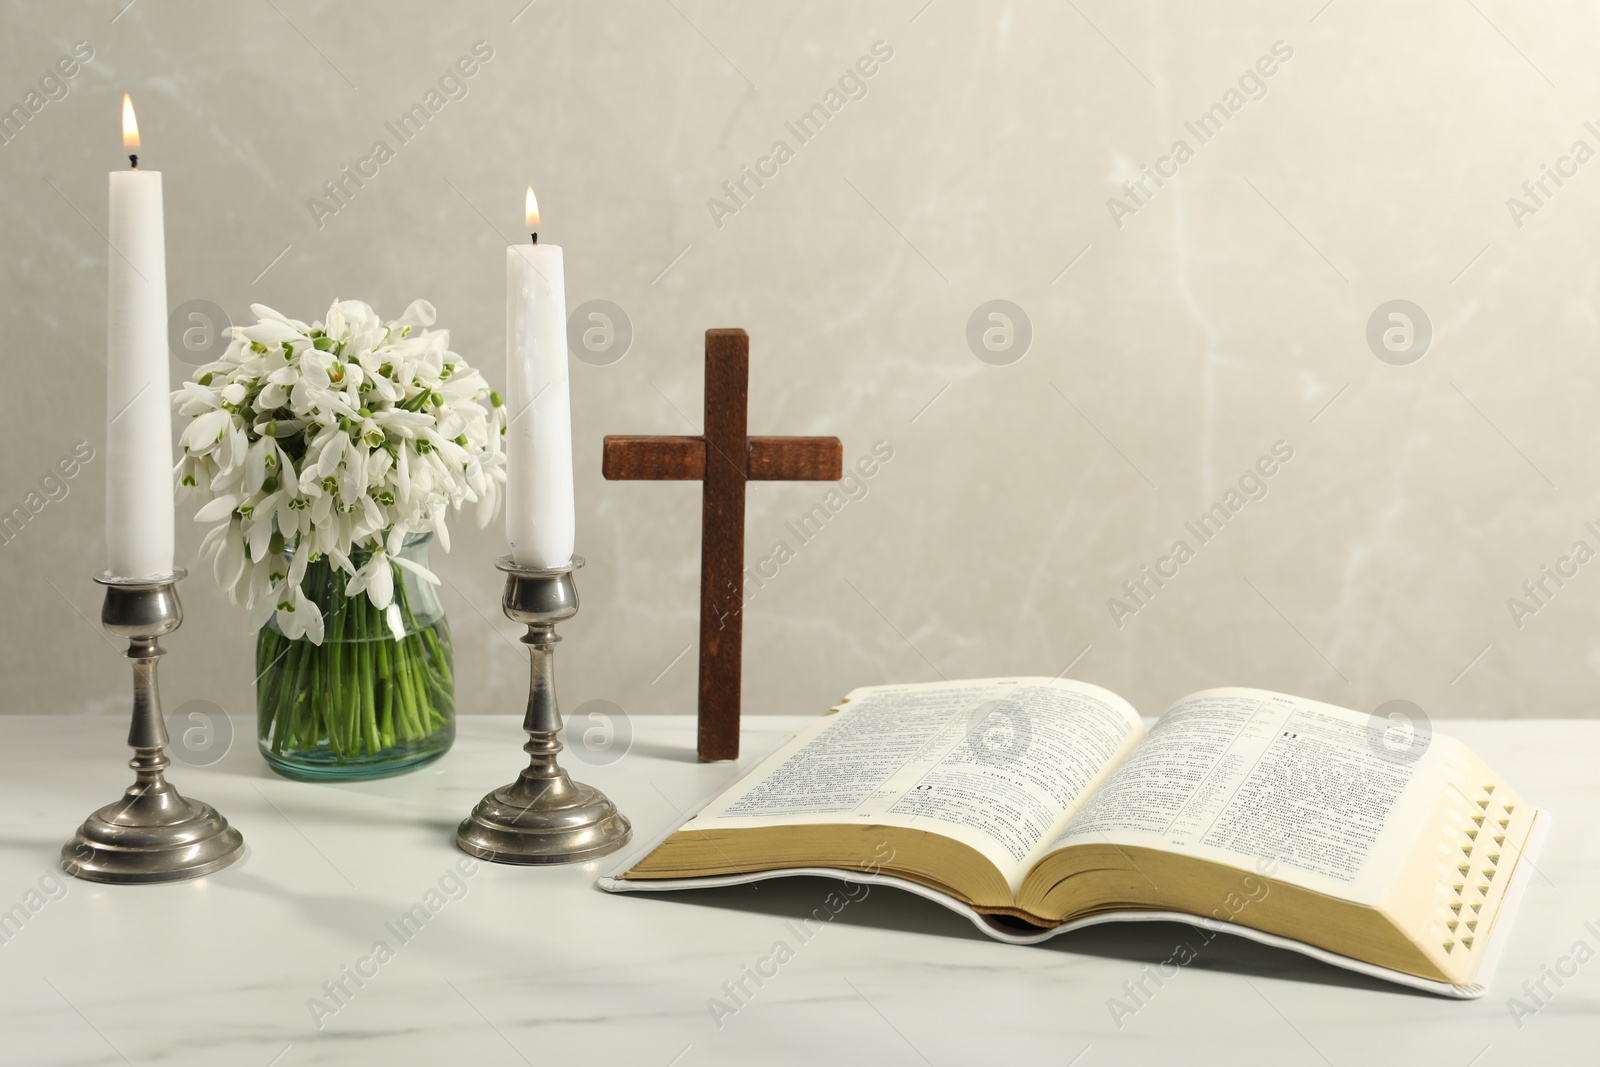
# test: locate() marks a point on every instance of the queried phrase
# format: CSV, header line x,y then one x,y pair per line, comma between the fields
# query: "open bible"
x,y
1039,805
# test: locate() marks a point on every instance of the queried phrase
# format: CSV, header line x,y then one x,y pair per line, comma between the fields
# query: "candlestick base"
x,y
558,821
544,816
154,834
151,836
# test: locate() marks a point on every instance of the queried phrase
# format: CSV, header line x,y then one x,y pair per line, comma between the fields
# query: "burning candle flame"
x,y
130,125
531,209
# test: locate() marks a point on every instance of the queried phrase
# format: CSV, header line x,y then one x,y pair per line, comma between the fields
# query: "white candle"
x,y
139,496
539,510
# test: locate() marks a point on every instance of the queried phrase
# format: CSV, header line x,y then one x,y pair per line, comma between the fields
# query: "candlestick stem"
x,y
147,734
544,816
154,833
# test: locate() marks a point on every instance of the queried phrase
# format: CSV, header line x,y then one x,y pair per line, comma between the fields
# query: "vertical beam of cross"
x,y
723,459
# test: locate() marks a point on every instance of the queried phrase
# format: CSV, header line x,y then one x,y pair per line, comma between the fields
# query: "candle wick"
x,y
534,237
133,160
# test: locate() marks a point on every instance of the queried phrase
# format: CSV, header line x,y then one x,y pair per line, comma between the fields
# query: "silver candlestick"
x,y
153,834
544,816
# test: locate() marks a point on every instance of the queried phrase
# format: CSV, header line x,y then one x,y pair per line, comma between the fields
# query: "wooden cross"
x,y
722,460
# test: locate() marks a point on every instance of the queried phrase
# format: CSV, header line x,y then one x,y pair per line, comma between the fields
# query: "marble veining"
x,y
515,964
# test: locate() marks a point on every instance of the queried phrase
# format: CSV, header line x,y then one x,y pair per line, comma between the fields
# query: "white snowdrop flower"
x,y
299,617
334,439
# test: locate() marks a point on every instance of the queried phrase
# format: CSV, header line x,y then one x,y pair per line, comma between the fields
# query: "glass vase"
x,y
376,698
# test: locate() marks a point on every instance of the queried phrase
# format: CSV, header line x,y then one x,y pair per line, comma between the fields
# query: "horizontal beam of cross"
x,y
768,459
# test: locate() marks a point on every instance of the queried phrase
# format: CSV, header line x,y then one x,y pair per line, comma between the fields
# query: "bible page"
x,y
1249,778
998,764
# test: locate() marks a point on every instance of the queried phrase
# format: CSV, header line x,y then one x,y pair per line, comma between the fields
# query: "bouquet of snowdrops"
x,y
321,451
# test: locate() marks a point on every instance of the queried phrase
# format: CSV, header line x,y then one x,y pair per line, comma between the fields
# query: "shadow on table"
x,y
675,753
1138,943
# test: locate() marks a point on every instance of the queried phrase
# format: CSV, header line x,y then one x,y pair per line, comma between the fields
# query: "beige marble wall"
x,y
1357,154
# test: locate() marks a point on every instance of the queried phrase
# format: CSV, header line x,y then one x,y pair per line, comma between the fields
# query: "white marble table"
x,y
535,966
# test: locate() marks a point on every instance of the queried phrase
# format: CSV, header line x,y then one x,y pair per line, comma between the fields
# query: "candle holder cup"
x,y
153,834
544,816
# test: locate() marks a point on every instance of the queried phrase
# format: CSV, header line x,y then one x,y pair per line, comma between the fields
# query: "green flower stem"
x,y
347,696
296,693
267,647
440,694
428,636
385,672
361,693
408,689
333,642
369,701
